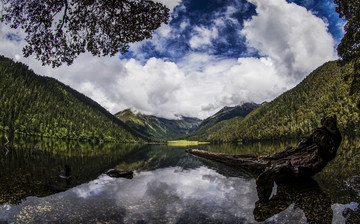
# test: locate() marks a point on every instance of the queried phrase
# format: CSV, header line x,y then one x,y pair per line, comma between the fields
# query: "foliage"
x,y
327,90
42,106
185,143
158,128
349,48
59,30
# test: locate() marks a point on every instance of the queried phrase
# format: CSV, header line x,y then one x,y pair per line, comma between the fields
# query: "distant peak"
x,y
126,111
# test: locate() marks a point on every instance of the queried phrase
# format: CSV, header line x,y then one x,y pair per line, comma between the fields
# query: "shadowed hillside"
x,y
158,128
219,119
42,106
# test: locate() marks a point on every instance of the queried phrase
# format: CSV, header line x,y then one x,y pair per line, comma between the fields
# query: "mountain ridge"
x,y
43,106
224,114
329,89
158,128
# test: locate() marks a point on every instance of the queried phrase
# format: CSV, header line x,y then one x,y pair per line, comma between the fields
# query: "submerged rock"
x,y
66,173
354,183
119,173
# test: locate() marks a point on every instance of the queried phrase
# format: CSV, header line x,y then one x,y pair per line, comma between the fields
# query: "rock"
x,y
66,173
119,173
354,183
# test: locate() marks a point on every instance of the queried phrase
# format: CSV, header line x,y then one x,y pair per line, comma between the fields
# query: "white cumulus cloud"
x,y
291,41
295,39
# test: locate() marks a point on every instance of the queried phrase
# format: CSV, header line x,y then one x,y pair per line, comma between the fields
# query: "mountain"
x,y
330,89
223,115
158,128
35,105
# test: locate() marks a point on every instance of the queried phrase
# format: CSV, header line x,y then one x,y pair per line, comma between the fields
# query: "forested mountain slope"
x,y
224,114
42,106
158,128
330,89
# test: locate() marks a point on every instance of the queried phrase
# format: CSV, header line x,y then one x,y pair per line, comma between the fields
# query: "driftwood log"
x,y
309,157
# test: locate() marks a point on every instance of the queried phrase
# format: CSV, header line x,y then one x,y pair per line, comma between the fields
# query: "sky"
x,y
211,54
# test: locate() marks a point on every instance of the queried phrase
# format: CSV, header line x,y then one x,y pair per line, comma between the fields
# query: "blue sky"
x,y
203,14
213,53
193,17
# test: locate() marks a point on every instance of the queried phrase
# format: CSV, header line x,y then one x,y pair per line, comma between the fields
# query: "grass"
x,y
185,143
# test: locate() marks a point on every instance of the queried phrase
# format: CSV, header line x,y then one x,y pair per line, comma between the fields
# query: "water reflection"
x,y
332,179
39,168
169,186
256,148
168,195
176,195
304,194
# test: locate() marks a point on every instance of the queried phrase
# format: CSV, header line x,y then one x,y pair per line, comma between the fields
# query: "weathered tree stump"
x,y
309,157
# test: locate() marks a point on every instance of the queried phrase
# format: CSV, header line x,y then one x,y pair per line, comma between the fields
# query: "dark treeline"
x,y
42,106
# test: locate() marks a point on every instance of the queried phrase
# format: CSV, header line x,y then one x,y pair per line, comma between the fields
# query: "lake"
x,y
168,185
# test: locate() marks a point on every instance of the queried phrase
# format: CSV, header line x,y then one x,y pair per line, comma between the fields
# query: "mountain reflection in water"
x,y
170,186
168,195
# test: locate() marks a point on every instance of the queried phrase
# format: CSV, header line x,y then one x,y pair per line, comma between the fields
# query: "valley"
x,y
42,106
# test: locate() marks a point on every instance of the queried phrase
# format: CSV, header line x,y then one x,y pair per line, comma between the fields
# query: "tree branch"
x,y
65,14
7,142
2,7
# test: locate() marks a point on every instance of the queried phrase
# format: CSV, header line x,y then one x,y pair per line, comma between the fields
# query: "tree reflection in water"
x,y
303,193
169,186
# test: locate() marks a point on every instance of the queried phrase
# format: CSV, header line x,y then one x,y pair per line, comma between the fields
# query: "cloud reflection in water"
x,y
168,195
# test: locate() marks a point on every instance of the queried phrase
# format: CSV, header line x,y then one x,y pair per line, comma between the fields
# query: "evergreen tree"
x,y
349,48
42,106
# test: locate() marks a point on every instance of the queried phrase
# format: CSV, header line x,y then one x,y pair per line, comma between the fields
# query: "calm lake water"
x,y
168,186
